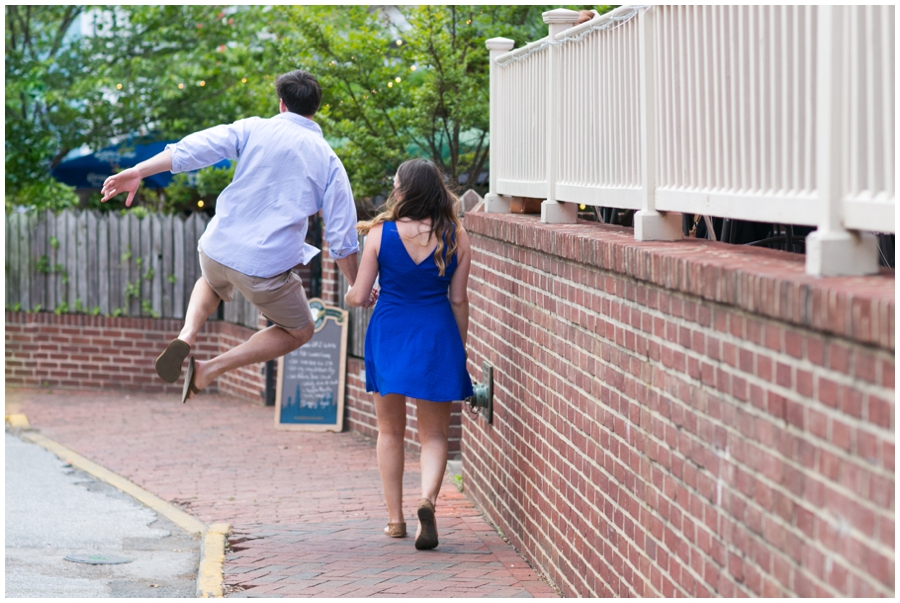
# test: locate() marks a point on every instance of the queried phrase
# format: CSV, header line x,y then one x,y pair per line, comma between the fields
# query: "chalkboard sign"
x,y
311,379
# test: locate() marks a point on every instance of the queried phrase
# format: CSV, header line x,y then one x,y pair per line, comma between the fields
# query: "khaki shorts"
x,y
280,298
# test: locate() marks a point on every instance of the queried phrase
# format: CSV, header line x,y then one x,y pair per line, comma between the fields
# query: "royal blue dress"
x,y
413,345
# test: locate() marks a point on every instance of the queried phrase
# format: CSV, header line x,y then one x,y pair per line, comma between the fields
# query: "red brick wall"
x,y
329,277
682,418
94,352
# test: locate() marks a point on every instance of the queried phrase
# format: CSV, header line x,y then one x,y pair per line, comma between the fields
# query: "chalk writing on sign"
x,y
311,378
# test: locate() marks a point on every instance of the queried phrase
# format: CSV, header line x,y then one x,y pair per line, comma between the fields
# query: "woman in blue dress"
x,y
416,340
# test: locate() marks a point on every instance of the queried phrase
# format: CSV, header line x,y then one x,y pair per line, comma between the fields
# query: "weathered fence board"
x,y
53,284
81,237
133,252
39,275
103,264
165,267
92,263
25,259
146,252
155,262
70,279
12,260
178,272
115,263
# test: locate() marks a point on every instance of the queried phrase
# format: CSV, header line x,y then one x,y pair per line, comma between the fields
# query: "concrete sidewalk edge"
x,y
212,550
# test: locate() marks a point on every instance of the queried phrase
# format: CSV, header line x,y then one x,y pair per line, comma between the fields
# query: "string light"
x,y
243,80
180,86
390,84
399,42
397,79
200,204
413,68
202,83
118,86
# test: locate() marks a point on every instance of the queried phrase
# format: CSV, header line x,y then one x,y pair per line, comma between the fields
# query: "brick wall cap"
x,y
767,282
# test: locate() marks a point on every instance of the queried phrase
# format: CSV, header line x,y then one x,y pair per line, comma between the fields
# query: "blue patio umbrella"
x,y
89,171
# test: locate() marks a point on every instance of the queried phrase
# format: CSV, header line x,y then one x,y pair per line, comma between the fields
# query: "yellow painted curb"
x,y
18,420
210,576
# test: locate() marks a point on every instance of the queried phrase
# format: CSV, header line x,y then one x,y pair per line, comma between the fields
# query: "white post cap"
x,y
560,16
500,44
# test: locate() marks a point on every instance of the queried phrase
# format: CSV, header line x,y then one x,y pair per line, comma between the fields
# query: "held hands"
x,y
351,298
126,181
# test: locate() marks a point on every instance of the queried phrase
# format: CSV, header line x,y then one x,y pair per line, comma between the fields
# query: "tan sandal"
x,y
396,530
427,538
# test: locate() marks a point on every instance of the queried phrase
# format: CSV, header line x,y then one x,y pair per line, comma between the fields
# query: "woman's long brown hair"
x,y
422,195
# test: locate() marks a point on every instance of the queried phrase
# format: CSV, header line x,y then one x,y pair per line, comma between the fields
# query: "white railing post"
x,y
832,250
649,224
552,211
494,202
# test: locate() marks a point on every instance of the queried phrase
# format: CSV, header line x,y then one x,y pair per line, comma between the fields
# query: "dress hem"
x,y
373,391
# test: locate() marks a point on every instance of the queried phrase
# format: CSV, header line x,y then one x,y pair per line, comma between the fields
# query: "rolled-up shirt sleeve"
x,y
206,147
339,215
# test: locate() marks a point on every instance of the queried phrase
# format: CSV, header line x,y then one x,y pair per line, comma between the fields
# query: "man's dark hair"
x,y
300,92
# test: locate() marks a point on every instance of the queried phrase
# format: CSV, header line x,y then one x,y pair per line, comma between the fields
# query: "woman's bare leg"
x,y
434,429
391,413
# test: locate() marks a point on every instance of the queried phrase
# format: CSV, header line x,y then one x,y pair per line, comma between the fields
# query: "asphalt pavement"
x,y
54,511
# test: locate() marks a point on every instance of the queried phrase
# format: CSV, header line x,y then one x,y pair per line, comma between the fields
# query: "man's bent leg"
x,y
204,301
265,345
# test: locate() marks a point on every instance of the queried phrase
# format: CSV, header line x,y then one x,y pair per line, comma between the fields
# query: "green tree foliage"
x,y
426,96
77,77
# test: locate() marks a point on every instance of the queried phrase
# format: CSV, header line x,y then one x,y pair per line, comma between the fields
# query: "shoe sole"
x,y
428,536
168,364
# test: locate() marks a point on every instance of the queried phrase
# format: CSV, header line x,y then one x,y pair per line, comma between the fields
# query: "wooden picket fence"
x,y
107,264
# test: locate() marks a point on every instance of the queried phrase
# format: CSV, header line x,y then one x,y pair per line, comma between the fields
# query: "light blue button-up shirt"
x,y
286,172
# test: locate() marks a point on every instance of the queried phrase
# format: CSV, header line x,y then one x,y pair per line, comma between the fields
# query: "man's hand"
x,y
126,181
373,297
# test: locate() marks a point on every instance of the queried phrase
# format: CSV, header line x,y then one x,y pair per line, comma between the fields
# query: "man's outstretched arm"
x,y
128,181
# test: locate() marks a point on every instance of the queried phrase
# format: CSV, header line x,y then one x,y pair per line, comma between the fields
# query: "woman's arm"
x,y
459,287
361,293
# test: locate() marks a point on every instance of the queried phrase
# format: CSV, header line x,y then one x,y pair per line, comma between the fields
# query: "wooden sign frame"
x,y
325,317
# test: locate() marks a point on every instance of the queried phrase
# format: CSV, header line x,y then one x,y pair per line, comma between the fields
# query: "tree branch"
x,y
68,18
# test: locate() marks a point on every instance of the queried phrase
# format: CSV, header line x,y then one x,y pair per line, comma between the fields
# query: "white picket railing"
x,y
780,114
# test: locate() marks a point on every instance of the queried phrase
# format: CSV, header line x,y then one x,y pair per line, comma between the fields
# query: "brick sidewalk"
x,y
305,509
